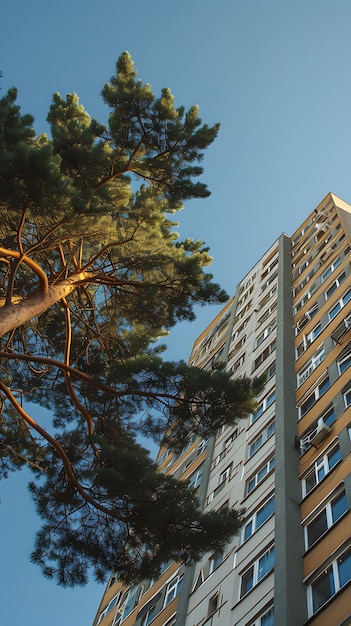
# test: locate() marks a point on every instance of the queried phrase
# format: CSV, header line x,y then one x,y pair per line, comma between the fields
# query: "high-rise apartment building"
x,y
288,464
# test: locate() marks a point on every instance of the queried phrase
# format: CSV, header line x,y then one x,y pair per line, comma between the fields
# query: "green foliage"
x,y
92,274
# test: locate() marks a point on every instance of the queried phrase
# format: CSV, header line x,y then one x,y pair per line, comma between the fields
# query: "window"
x,y
320,469
259,476
214,561
330,269
213,604
328,416
325,519
111,605
305,298
307,339
267,313
257,571
267,619
339,305
258,518
347,397
238,363
225,474
265,354
263,406
195,478
329,582
149,616
334,286
262,336
313,397
258,442
311,366
345,361
172,589
201,447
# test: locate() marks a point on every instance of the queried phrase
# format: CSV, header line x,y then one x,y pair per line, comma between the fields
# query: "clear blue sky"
x,y
274,73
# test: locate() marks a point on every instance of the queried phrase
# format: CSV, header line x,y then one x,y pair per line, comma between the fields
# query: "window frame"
x,y
332,571
316,393
309,367
256,478
339,304
321,467
173,587
265,403
330,519
254,573
263,436
252,524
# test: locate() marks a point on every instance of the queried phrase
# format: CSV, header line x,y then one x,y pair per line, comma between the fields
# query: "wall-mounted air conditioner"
x,y
316,436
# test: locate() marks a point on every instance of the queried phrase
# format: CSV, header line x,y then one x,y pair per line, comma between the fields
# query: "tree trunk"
x,y
14,315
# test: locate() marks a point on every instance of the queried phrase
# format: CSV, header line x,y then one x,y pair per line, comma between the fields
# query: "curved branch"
x,y
89,379
15,254
60,451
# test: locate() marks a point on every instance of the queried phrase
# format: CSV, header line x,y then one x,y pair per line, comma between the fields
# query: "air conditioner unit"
x,y
316,436
320,433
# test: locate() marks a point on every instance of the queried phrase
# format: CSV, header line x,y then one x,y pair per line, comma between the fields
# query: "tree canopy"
x,y
92,275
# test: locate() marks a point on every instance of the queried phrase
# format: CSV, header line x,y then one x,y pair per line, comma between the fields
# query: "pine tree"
x,y
92,275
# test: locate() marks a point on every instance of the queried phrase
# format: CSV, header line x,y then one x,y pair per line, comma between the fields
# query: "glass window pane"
x,y
317,527
324,386
265,564
268,619
344,363
329,417
339,506
265,513
333,457
347,296
323,589
246,581
344,567
248,530
311,481
334,311
261,474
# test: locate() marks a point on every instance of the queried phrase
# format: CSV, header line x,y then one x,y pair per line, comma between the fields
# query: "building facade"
x,y
288,464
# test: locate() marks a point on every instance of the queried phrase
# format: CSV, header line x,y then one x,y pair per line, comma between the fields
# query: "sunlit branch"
x,y
14,254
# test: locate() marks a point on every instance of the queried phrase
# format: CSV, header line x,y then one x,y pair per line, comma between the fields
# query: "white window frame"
x,y
172,589
331,269
225,475
257,571
316,393
330,569
344,359
259,621
267,401
259,475
261,439
149,616
194,481
341,302
347,397
320,468
327,509
110,606
311,365
252,524
264,334
304,298
335,285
